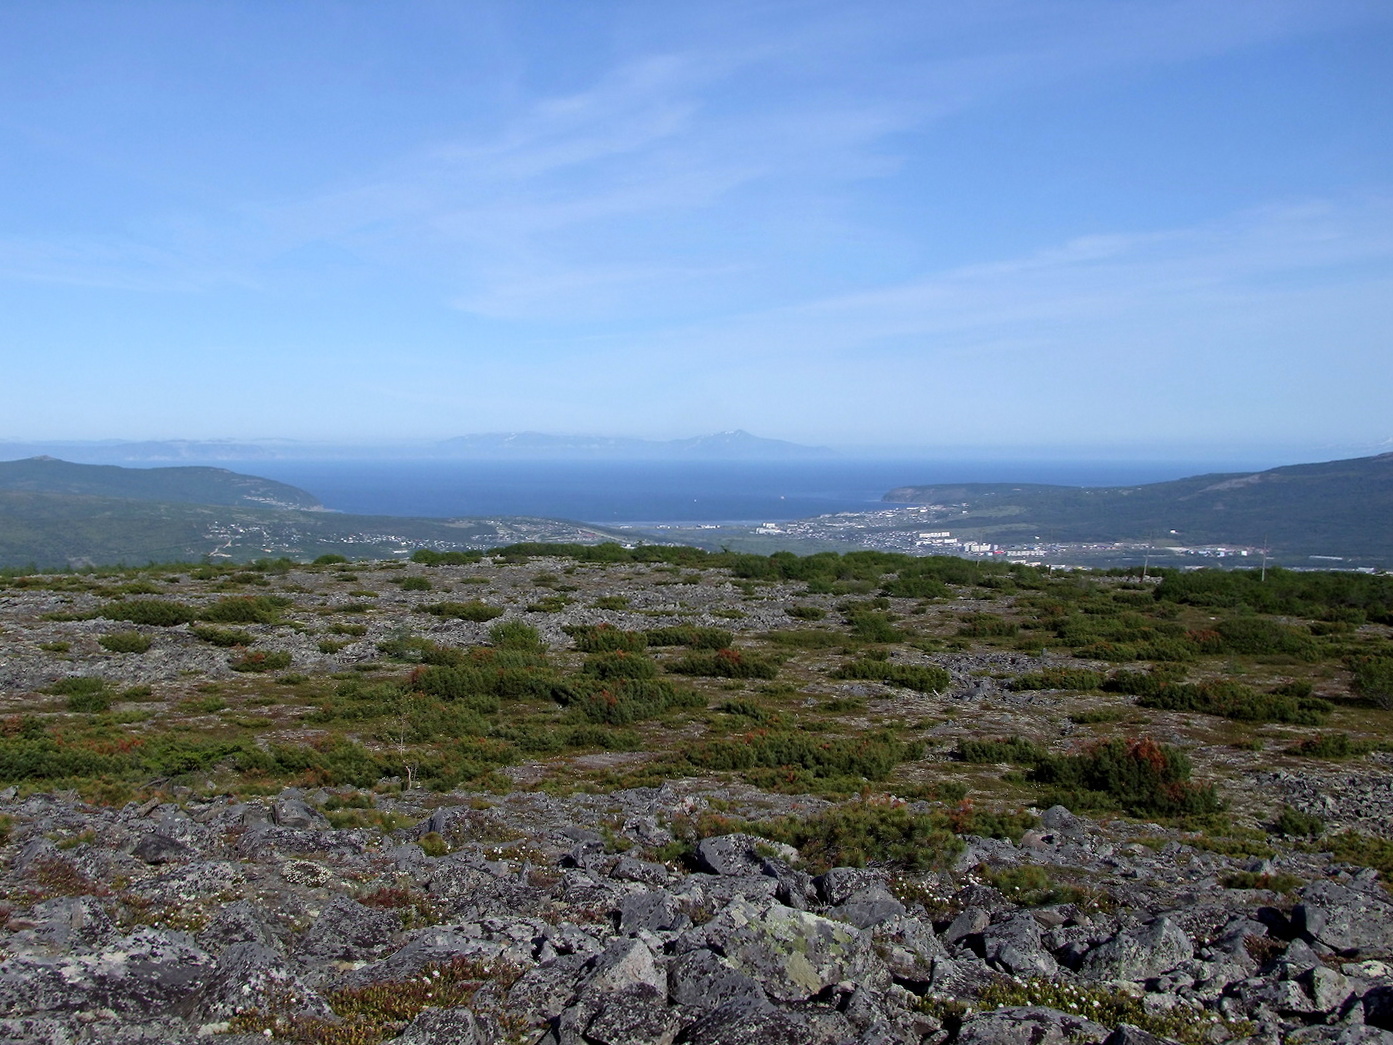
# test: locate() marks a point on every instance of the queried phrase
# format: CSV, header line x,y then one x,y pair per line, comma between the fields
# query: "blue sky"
x,y
1118,227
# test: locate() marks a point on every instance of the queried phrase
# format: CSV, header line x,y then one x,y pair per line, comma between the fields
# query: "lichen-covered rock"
x,y
1028,1025
1016,946
739,854
1345,920
702,979
1140,953
347,930
793,954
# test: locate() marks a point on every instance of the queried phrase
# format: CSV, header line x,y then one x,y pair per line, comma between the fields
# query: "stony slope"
x,y
210,826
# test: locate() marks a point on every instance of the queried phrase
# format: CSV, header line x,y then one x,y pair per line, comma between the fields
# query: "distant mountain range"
x,y
1337,508
721,446
734,445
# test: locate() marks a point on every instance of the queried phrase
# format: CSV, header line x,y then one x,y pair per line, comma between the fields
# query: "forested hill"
x,y
1340,508
182,485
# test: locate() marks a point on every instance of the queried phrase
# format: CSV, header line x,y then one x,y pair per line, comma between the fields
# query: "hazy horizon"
x,y
1122,228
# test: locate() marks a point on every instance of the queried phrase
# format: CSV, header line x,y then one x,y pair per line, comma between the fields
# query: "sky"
x,y
1113,227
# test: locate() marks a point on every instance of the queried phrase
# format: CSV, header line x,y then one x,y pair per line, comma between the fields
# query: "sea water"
x,y
627,491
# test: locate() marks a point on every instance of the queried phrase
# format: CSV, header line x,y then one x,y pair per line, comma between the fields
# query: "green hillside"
x,y
183,485
1340,508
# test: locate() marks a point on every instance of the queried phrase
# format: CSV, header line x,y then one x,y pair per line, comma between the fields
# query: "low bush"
x,y
1141,777
1234,700
1330,745
620,701
806,612
1262,635
416,584
1293,823
873,627
246,609
261,660
690,635
125,642
1372,680
222,636
724,663
923,678
987,625
805,638
160,613
871,756
606,638
1005,749
861,833
428,557
474,610
619,664
1058,678
517,635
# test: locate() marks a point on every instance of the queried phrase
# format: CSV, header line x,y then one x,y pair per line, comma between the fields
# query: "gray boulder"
x,y
1016,946
636,1015
740,854
1345,920
1028,1025
701,979
456,1026
1140,953
794,954
347,930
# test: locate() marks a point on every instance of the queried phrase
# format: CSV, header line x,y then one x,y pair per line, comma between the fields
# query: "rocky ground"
x,y
552,900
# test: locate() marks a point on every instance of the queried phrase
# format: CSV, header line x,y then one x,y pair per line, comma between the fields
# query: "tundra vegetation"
x,y
868,709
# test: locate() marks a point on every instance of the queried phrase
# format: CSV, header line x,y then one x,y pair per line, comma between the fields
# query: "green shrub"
x,y
612,602
125,642
160,613
261,660
329,560
871,756
1277,883
805,638
1234,700
246,609
806,612
1030,885
621,700
416,584
1260,635
91,702
1372,680
724,663
690,635
222,636
619,664
516,635
606,638
987,625
873,627
433,558
1352,847
1058,678
474,610
923,678
1141,777
860,833
1330,745
1293,823
1005,749
74,684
